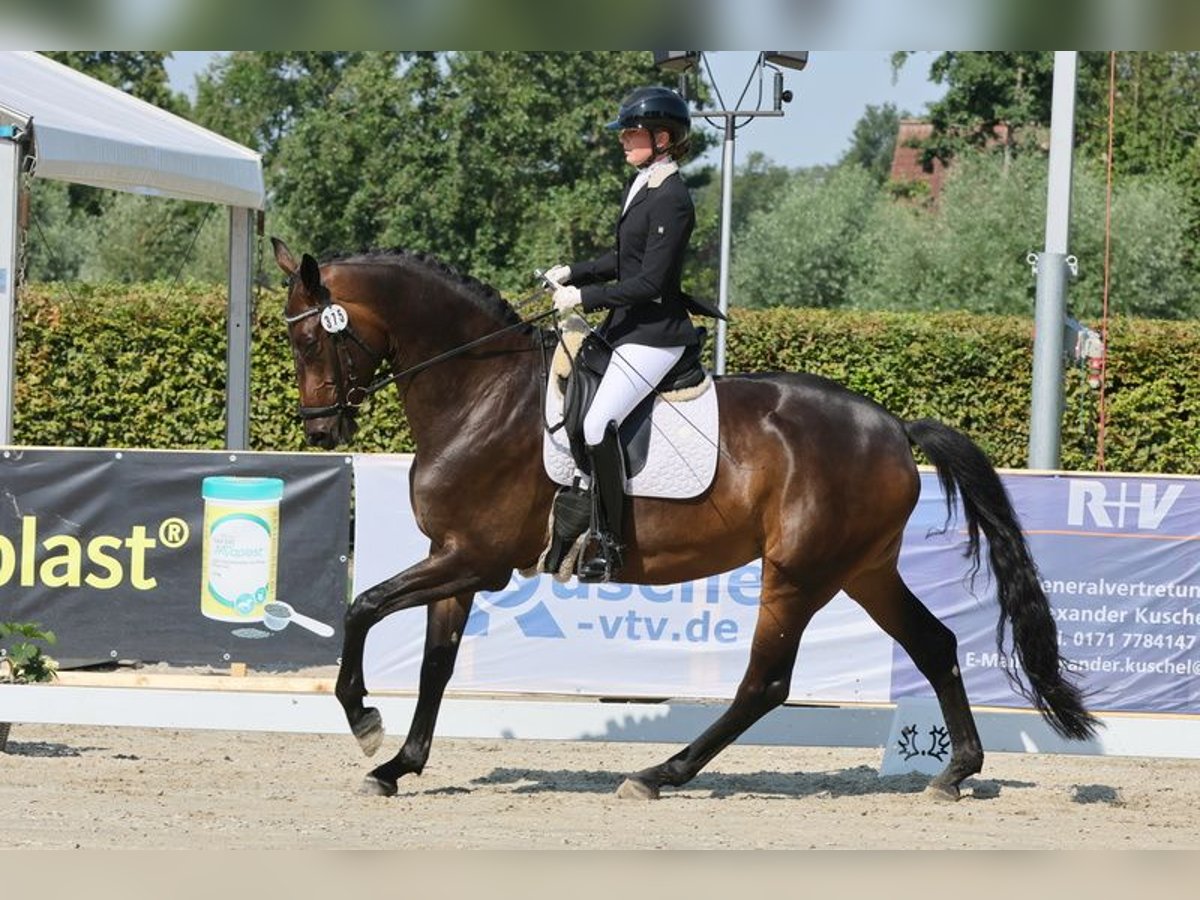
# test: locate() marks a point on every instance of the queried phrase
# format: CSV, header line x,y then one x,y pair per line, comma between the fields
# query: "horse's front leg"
x,y
440,575
443,635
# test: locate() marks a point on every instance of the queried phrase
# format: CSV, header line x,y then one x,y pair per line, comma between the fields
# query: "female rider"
x,y
647,326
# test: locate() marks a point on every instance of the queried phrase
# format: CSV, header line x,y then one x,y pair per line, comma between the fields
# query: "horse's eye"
x,y
308,343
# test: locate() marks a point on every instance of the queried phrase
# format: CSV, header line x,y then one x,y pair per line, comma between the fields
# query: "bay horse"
x,y
812,478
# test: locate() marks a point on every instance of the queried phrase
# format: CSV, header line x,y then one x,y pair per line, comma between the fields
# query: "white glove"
x,y
566,298
558,274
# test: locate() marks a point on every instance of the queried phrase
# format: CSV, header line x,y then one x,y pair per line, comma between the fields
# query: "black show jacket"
x,y
639,281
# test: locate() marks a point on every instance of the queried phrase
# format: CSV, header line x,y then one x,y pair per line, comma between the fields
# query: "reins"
x,y
380,383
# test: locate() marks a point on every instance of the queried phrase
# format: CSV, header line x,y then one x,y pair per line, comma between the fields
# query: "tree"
x,y
757,185
496,162
838,240
873,141
256,97
798,251
1156,121
986,90
1156,125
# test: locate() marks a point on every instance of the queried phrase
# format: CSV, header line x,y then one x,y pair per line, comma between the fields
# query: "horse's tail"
x,y
964,470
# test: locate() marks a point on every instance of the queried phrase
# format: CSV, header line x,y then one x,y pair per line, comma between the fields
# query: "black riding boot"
x,y
608,493
572,516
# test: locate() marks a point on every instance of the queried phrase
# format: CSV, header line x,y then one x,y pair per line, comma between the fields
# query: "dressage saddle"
x,y
587,368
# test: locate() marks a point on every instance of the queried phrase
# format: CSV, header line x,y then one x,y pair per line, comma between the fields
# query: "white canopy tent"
x,y
81,130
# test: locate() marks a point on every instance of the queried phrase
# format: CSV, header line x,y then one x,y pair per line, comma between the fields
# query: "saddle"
x,y
578,386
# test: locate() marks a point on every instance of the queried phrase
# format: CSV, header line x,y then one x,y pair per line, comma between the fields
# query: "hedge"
x,y
144,366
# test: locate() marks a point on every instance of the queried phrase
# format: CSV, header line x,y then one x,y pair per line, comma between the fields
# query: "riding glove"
x,y
566,298
558,274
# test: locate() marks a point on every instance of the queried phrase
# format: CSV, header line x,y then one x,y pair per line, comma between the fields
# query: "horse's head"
x,y
335,355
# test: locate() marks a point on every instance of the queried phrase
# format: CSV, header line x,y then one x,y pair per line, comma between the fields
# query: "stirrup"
x,y
603,564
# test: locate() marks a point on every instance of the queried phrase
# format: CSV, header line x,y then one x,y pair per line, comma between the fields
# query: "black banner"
x,y
192,558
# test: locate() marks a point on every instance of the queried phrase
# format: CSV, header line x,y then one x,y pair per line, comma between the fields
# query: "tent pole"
x,y
237,390
10,189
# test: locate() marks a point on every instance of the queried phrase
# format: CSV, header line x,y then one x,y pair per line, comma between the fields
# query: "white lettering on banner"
x,y
1124,664
1090,498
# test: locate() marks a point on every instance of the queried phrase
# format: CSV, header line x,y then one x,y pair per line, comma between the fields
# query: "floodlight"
x,y
789,59
676,60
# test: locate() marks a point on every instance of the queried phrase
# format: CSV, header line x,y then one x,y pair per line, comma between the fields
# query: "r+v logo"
x,y
1108,504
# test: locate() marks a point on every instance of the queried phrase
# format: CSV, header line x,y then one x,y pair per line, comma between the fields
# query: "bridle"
x,y
350,394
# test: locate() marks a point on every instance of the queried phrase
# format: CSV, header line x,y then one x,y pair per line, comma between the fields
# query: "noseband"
x,y
350,394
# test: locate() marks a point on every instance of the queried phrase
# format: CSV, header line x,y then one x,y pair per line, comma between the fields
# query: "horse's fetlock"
x,y
412,762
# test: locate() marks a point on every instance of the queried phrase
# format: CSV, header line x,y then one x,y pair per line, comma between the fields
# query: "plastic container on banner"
x,y
241,546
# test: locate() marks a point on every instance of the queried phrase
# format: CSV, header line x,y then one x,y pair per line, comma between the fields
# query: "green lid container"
x,y
233,487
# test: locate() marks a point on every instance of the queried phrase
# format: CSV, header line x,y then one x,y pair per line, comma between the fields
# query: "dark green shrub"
x,y
144,366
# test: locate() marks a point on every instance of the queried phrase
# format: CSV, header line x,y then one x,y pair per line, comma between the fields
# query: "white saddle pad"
x,y
682,456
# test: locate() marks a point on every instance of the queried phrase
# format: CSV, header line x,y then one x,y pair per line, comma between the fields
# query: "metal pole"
x,y
1045,418
10,188
237,352
726,237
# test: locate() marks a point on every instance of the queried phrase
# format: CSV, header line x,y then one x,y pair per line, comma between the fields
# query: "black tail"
x,y
964,470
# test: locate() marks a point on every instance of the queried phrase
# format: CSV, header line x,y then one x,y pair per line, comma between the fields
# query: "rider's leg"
x,y
631,376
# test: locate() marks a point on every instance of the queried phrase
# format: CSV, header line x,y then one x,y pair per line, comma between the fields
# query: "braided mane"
x,y
484,296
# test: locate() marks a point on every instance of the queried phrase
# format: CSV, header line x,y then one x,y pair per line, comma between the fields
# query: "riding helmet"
x,y
655,107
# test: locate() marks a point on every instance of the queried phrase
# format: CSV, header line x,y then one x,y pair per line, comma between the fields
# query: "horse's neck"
x,y
476,393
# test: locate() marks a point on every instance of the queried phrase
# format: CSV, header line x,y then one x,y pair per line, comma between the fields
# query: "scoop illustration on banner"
x,y
277,615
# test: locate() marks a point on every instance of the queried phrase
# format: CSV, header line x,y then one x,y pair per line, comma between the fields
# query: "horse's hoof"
x,y
374,786
634,789
368,731
947,793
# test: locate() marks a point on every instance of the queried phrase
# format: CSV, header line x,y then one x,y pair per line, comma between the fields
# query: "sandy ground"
x,y
93,787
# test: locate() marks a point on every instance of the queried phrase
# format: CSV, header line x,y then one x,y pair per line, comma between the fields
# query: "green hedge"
x,y
144,366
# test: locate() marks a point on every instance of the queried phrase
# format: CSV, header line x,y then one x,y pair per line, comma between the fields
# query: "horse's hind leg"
x,y
784,613
933,649
443,635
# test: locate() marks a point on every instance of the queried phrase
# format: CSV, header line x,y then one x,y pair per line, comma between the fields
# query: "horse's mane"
x,y
486,297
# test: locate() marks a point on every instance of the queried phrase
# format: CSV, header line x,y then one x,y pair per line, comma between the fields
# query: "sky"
x,y
830,95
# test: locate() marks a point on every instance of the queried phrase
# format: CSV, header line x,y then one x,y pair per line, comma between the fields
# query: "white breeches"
x,y
634,372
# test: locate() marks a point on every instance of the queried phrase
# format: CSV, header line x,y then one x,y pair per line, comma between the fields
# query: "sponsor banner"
x,y
1117,555
183,557
537,635
1119,560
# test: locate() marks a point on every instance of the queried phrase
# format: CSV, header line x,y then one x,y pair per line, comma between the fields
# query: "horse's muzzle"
x,y
330,431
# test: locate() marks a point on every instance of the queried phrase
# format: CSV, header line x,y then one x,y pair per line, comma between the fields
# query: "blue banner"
x,y
1119,561
1118,557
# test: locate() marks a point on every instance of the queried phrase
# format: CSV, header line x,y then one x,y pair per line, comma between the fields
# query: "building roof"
x,y
87,132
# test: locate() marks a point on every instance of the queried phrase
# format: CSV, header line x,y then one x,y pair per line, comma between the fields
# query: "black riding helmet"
x,y
656,108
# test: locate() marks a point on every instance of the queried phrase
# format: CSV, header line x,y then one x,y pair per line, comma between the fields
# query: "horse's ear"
x,y
310,274
283,256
